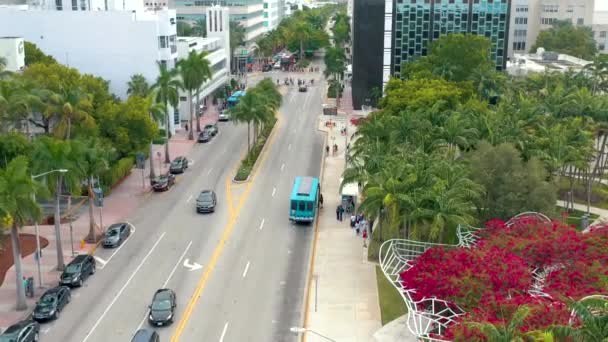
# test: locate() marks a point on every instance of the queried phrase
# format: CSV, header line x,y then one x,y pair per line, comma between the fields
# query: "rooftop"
x,y
542,60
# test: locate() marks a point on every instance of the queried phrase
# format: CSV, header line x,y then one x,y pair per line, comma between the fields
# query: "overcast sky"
x,y
601,5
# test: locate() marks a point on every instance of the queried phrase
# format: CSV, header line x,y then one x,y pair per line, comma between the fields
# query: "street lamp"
x,y
300,330
38,253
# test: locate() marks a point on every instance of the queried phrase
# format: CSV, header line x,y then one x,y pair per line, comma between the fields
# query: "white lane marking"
x,y
209,172
105,312
121,245
224,332
288,147
100,260
189,199
282,166
274,191
193,267
246,269
45,331
168,278
262,224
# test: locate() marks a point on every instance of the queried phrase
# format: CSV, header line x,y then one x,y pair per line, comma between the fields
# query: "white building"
x,y
273,13
110,44
529,17
12,49
217,47
541,61
600,30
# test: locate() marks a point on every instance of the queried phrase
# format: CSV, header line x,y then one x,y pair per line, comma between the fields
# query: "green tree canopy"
x,y
566,38
418,94
34,55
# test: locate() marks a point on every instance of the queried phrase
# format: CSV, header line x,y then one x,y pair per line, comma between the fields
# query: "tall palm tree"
x,y
167,92
71,105
53,154
17,207
592,312
89,160
138,86
251,107
14,103
191,79
157,113
206,74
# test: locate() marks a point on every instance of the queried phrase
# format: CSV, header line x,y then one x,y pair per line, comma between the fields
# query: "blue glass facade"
x,y
418,22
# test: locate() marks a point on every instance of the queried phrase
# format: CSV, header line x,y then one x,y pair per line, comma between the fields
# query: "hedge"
x,y
331,91
116,173
247,164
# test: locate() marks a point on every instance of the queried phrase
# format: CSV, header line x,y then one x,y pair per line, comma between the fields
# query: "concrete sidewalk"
x,y
124,198
343,296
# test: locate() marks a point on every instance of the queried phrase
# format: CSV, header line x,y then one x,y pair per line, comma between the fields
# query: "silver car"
x,y
116,234
224,115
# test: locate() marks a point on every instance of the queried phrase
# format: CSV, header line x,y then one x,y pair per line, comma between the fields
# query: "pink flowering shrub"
x,y
491,280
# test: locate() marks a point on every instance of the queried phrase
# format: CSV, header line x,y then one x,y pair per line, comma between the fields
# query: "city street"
x,y
239,273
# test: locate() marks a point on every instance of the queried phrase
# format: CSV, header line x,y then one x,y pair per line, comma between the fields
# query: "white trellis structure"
x,y
434,315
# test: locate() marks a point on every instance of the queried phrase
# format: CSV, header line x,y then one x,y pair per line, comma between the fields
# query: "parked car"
x,y
206,201
204,137
179,165
277,65
162,307
224,115
116,234
78,270
23,331
51,303
303,88
212,128
145,335
266,67
163,182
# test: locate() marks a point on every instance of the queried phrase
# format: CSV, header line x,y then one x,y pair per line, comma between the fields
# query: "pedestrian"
x,y
186,127
338,212
353,219
321,200
327,149
341,213
364,238
357,227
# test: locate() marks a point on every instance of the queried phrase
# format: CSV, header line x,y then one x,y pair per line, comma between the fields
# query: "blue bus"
x,y
233,100
304,199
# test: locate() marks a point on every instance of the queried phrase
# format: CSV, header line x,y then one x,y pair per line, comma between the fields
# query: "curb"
x,y
311,263
264,150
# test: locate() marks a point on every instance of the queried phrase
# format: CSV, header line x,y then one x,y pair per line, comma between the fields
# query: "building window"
x,y
580,21
547,21
265,5
163,42
550,8
602,34
520,33
570,9
83,5
74,5
58,5
519,46
521,20
183,98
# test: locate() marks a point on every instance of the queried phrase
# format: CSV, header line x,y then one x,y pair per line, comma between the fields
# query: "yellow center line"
x,y
217,252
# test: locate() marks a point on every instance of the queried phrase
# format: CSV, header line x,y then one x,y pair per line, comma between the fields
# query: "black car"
x,y
24,331
179,165
206,201
303,88
204,137
78,270
51,303
163,182
116,234
267,67
145,335
212,128
162,307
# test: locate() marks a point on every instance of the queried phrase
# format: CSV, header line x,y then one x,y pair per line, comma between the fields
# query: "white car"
x,y
277,65
224,115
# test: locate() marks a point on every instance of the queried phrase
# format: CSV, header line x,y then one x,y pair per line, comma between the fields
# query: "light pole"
x,y
38,252
300,330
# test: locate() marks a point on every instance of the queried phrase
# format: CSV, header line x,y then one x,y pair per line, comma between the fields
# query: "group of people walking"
x,y
357,222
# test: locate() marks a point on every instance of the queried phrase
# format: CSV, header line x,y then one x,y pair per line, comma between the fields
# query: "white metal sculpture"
x,y
431,316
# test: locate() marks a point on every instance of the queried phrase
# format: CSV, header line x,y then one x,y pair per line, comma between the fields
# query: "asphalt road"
x,y
254,261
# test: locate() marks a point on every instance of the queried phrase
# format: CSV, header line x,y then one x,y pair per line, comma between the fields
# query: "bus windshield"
x,y
234,99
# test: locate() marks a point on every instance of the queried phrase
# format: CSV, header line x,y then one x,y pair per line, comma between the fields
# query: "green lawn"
x,y
391,303
599,193
575,217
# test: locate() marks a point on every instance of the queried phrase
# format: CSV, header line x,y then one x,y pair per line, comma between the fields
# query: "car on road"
x,y
267,67
23,331
78,270
212,129
116,234
206,201
204,137
277,65
145,335
224,115
163,182
51,303
162,307
303,88
179,165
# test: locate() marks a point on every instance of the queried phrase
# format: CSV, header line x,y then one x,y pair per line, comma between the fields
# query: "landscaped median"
x,y
257,109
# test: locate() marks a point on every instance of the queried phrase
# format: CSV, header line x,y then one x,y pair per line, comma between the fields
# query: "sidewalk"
x,y
123,200
601,213
343,296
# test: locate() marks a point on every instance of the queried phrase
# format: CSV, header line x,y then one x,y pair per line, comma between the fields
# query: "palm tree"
x,y
167,92
138,86
507,332
3,63
71,105
335,66
89,160
237,37
54,154
206,74
14,103
157,113
592,312
251,107
300,31
191,79
17,207
200,28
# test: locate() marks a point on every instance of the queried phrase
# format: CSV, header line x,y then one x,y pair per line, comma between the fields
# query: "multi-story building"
x,y
542,61
403,30
600,30
12,49
273,13
529,17
248,13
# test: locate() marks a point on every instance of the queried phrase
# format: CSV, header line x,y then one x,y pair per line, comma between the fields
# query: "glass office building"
x,y
416,23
